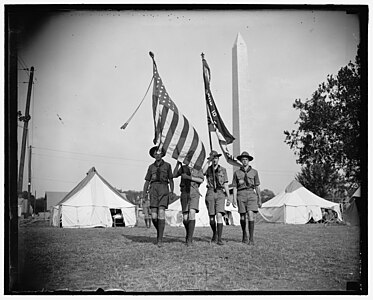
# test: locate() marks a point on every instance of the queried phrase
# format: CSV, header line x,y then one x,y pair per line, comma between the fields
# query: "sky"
x,y
92,69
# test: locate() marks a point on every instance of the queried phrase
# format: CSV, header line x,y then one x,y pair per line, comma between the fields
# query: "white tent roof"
x,y
89,204
297,196
94,190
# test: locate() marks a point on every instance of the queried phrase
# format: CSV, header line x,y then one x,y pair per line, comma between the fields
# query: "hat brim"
x,y
239,157
153,150
216,155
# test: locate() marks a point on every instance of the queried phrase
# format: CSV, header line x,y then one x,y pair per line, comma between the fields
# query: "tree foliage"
x,y
320,179
329,132
266,195
132,196
38,204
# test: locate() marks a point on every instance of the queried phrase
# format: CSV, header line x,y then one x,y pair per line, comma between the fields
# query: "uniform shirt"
x,y
245,179
161,173
186,184
220,177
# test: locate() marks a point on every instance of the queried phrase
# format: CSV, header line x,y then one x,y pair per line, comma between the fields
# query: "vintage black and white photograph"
x,y
186,149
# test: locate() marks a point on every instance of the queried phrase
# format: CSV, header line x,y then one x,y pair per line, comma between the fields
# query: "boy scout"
x,y
246,193
217,192
189,198
159,176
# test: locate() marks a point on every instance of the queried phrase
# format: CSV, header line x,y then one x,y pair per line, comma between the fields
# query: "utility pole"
x,y
25,119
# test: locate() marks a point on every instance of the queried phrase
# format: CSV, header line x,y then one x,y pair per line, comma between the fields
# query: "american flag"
x,y
173,132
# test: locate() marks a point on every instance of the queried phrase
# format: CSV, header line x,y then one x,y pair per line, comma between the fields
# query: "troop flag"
x,y
173,131
215,122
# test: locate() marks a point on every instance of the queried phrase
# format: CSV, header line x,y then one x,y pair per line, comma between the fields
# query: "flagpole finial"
x,y
151,54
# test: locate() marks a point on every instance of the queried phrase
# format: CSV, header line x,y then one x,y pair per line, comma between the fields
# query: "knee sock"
x,y
155,223
191,226
161,224
251,230
213,227
186,222
220,231
243,227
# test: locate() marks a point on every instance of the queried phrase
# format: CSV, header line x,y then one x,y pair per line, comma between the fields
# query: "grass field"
x,y
285,258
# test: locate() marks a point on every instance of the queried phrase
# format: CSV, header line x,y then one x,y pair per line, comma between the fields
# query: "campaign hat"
x,y
155,149
245,154
213,154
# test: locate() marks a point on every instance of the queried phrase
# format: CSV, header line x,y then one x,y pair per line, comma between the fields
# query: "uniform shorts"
x,y
189,201
215,202
247,200
159,194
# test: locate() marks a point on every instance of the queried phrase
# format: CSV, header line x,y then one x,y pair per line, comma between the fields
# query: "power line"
x,y
24,66
49,179
22,61
87,160
97,155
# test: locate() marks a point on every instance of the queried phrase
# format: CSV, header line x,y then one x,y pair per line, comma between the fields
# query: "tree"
x,y
38,204
133,196
329,132
266,195
320,179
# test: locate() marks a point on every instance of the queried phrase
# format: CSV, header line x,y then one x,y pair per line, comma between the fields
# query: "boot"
x,y
186,222
244,234
213,227
191,226
220,232
155,223
161,225
251,232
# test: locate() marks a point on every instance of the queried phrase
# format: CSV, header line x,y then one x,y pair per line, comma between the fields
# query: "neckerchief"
x,y
245,178
159,169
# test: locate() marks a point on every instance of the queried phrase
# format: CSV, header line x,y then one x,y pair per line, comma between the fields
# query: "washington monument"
x,y
241,103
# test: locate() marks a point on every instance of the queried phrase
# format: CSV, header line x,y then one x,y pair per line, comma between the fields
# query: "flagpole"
x,y
208,125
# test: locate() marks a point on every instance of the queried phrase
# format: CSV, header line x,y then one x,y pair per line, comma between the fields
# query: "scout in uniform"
x,y
159,177
246,193
189,198
217,192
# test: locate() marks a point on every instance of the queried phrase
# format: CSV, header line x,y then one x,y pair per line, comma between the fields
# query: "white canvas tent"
x,y
174,215
88,205
234,216
296,205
